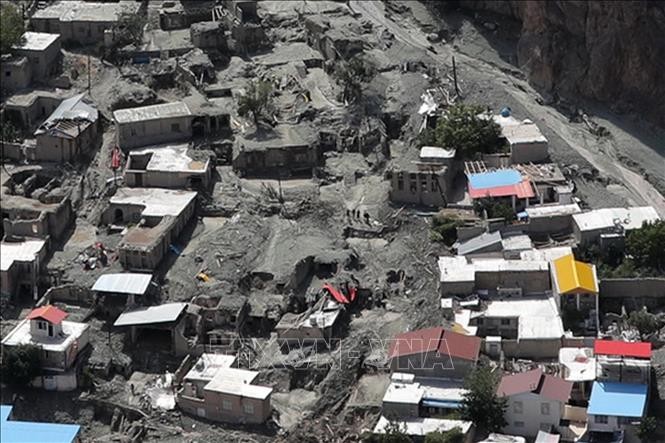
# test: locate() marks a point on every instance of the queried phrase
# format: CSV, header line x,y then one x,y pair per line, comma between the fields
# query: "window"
x,y
8,73
601,419
227,405
248,408
518,424
175,127
434,182
518,407
41,325
505,322
625,420
400,182
545,409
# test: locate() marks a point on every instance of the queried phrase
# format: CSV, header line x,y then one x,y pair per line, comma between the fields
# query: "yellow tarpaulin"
x,y
573,276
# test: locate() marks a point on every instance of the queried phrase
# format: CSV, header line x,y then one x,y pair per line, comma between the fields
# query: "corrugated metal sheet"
x,y
125,283
622,348
153,314
523,189
493,179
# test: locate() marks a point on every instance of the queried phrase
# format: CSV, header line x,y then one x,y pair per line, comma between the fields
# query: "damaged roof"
x,y
68,117
36,41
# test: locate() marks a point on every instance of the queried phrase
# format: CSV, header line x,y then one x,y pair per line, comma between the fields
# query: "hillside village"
x,y
254,221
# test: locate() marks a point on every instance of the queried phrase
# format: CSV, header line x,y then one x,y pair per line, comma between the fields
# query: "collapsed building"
x,y
28,110
160,215
180,14
314,326
286,150
69,133
169,166
34,204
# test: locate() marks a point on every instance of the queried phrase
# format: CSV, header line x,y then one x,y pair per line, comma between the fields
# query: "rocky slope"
x,y
610,51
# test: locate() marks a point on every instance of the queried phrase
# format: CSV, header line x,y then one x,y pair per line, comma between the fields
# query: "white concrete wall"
x,y
531,415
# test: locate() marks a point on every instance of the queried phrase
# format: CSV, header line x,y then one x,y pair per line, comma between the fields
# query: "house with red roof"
x,y
62,344
434,352
536,401
622,361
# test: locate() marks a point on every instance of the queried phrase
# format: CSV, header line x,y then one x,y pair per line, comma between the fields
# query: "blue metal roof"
x,y
444,404
493,179
12,431
617,399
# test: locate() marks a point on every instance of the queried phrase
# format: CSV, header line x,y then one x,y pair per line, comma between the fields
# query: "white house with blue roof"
x,y
15,431
613,406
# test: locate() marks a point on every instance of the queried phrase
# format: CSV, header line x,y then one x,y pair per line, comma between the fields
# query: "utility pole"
x,y
89,73
455,77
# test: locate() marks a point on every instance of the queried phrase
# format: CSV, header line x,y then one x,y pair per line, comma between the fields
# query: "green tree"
x,y
22,364
444,228
455,435
481,404
257,101
648,430
351,76
646,245
644,322
464,128
11,27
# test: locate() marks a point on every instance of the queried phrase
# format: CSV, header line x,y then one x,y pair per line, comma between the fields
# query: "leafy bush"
x,y
444,229
494,209
644,322
22,364
470,134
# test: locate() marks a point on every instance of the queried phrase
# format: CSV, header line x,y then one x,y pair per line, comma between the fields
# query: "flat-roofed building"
x,y
42,51
551,219
522,327
160,214
20,266
154,124
527,143
16,72
215,390
81,22
61,342
69,133
588,227
169,166
460,275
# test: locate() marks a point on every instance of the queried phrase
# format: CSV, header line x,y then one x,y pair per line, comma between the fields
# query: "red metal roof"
x,y
550,387
555,388
415,342
49,313
523,189
459,345
622,348
444,341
